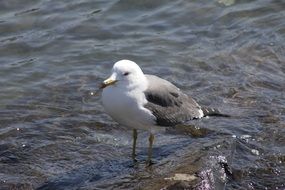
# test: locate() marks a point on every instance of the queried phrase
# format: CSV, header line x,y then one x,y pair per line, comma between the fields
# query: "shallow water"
x,y
227,54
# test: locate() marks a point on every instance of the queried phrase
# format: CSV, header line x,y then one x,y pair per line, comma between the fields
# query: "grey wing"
x,y
168,104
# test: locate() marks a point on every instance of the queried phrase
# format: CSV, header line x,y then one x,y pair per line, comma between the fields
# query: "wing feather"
x,y
168,104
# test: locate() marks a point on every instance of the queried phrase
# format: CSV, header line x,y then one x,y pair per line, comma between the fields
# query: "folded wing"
x,y
168,104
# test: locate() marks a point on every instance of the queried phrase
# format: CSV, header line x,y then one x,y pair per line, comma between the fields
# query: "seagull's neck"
x,y
138,84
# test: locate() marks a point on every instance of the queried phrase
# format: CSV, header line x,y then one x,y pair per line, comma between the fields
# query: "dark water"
x,y
226,54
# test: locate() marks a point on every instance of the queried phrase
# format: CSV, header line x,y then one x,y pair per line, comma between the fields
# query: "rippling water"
x,y
227,54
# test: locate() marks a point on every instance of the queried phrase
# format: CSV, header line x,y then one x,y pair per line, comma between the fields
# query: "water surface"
x,y
226,54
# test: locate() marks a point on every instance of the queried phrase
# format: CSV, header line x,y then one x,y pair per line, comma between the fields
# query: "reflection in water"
x,y
226,54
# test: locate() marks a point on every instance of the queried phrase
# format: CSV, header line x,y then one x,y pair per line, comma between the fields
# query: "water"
x,y
227,54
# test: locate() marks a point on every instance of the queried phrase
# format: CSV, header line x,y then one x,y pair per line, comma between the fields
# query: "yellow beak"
x,y
107,82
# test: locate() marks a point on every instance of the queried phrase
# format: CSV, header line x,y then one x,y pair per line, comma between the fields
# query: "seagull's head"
x,y
125,73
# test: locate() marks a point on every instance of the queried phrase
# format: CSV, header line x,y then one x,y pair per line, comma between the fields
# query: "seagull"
x,y
147,102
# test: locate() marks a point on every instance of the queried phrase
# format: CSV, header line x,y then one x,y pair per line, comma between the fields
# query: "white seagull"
x,y
145,102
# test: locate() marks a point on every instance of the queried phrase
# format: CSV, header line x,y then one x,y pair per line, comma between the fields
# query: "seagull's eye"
x,y
126,73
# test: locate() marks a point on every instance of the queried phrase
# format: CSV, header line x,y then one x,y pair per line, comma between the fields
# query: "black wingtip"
x,y
213,112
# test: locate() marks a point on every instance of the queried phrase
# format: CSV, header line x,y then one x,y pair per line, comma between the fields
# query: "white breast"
x,y
126,107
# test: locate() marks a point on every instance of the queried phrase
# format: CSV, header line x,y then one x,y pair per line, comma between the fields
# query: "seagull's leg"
x,y
150,139
135,135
